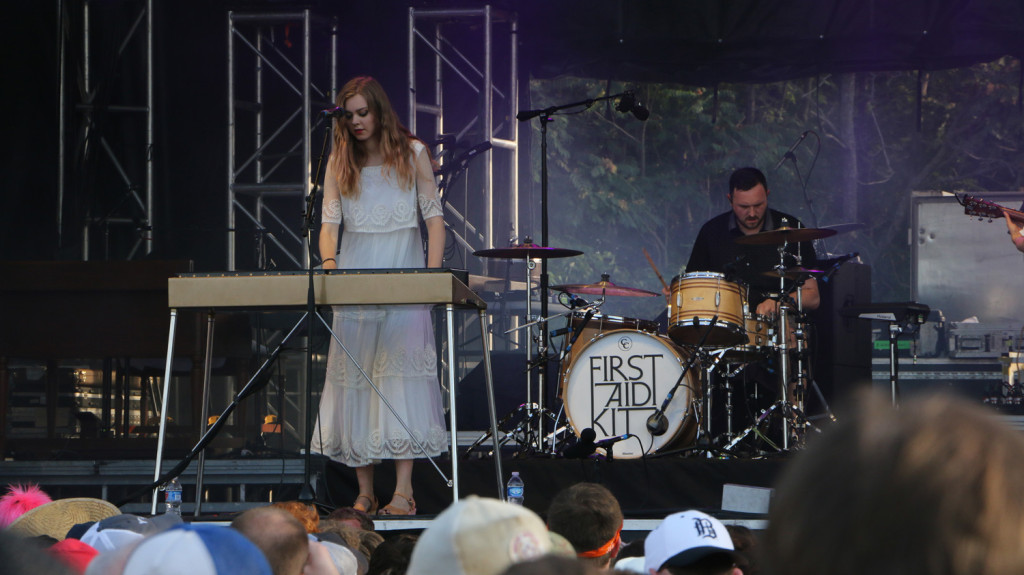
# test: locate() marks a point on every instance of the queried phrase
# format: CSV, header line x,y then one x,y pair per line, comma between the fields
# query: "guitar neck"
x,y
1015,215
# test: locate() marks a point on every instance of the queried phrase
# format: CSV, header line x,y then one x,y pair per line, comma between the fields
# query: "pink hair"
x,y
19,500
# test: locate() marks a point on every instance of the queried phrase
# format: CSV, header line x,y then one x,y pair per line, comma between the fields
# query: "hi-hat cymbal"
x,y
793,273
786,235
527,251
603,287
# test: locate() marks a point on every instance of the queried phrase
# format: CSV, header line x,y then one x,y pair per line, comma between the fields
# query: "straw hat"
x,y
54,519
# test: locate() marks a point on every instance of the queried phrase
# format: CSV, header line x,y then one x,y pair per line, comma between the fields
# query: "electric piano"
x,y
290,290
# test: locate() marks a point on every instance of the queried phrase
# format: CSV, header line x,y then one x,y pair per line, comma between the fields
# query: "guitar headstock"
x,y
981,208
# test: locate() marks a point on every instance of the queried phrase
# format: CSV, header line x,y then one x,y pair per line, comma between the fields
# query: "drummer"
x,y
716,250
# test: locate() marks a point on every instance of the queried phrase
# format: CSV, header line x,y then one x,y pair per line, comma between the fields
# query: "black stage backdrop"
x,y
694,42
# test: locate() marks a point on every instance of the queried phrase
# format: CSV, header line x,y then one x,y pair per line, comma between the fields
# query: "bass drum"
x,y
622,377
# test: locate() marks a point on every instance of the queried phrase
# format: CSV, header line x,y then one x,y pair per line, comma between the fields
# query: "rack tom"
x,y
698,297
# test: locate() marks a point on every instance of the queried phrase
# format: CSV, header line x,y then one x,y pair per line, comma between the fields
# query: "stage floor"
x,y
647,489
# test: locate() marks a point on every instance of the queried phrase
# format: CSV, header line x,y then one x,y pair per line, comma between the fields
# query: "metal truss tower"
x,y
463,80
114,198
270,130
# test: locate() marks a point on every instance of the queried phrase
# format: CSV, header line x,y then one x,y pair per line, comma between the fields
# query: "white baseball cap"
x,y
479,536
684,538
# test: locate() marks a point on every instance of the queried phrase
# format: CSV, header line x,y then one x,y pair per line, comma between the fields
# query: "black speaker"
x,y
841,349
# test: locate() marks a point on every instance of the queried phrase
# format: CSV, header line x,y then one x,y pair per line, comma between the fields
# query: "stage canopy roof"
x,y
709,41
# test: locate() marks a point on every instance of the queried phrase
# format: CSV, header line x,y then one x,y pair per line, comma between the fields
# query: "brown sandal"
x,y
369,510
390,509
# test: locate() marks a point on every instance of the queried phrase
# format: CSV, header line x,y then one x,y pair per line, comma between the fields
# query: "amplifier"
x,y
983,340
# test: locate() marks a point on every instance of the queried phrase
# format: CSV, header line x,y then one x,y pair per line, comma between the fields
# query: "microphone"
x,y
629,104
789,152
335,112
611,440
657,423
570,301
583,447
836,263
463,159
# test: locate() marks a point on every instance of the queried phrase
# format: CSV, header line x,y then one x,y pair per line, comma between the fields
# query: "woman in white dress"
x,y
379,180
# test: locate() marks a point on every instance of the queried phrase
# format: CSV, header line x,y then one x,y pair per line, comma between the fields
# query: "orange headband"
x,y
604,549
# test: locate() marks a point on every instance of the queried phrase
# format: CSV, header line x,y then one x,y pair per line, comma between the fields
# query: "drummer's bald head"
x,y
745,179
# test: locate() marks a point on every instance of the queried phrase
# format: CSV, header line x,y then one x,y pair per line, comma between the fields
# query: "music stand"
x,y
903,317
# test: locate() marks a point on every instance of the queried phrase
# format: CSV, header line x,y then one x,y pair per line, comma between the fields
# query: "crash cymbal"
x,y
784,235
527,251
793,273
603,287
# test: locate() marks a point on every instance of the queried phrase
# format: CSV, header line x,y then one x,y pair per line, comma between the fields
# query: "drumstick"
x,y
655,268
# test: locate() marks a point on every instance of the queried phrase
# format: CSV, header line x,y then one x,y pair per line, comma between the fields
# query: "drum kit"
x,y
628,382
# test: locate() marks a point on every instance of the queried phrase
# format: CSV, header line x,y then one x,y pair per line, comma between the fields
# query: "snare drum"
x,y
622,377
698,297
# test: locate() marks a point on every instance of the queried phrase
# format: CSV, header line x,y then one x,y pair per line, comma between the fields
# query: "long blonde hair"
x,y
348,157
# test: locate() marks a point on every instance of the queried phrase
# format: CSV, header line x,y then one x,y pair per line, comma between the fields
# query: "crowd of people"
x,y
928,487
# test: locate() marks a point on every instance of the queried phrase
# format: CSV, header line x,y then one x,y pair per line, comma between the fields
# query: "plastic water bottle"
x,y
514,490
172,497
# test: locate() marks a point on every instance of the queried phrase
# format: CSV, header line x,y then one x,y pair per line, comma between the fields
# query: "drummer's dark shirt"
x,y
715,250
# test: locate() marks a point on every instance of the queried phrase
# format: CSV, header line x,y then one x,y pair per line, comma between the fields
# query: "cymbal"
x,y
784,235
603,287
847,227
793,272
527,251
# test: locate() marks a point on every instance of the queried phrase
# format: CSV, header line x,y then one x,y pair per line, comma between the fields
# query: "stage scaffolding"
x,y
122,212
274,87
471,90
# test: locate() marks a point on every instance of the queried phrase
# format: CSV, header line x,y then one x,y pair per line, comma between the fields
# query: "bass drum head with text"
x,y
622,377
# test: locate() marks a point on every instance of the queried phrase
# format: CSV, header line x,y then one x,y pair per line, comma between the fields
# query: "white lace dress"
x,y
393,344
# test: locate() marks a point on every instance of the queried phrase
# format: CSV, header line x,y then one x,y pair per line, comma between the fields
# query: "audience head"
x,y
280,536
932,487
305,513
351,516
745,543
553,565
18,500
689,542
392,556
125,529
479,536
56,518
186,548
589,516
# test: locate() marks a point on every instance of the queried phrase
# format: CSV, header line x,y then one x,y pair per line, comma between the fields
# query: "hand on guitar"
x,y
1015,231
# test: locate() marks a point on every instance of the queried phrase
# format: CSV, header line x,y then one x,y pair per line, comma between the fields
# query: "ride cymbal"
x,y
785,235
603,287
793,272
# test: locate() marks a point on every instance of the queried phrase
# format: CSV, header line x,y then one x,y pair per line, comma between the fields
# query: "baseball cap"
x,y
479,536
196,550
120,530
683,538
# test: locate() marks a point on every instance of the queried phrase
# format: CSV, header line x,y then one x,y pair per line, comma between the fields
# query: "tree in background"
x,y
618,186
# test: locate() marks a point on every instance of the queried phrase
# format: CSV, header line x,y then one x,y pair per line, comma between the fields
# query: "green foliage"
x,y
618,186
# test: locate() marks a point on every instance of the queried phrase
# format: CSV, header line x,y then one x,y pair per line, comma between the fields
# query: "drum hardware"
x,y
529,251
657,422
